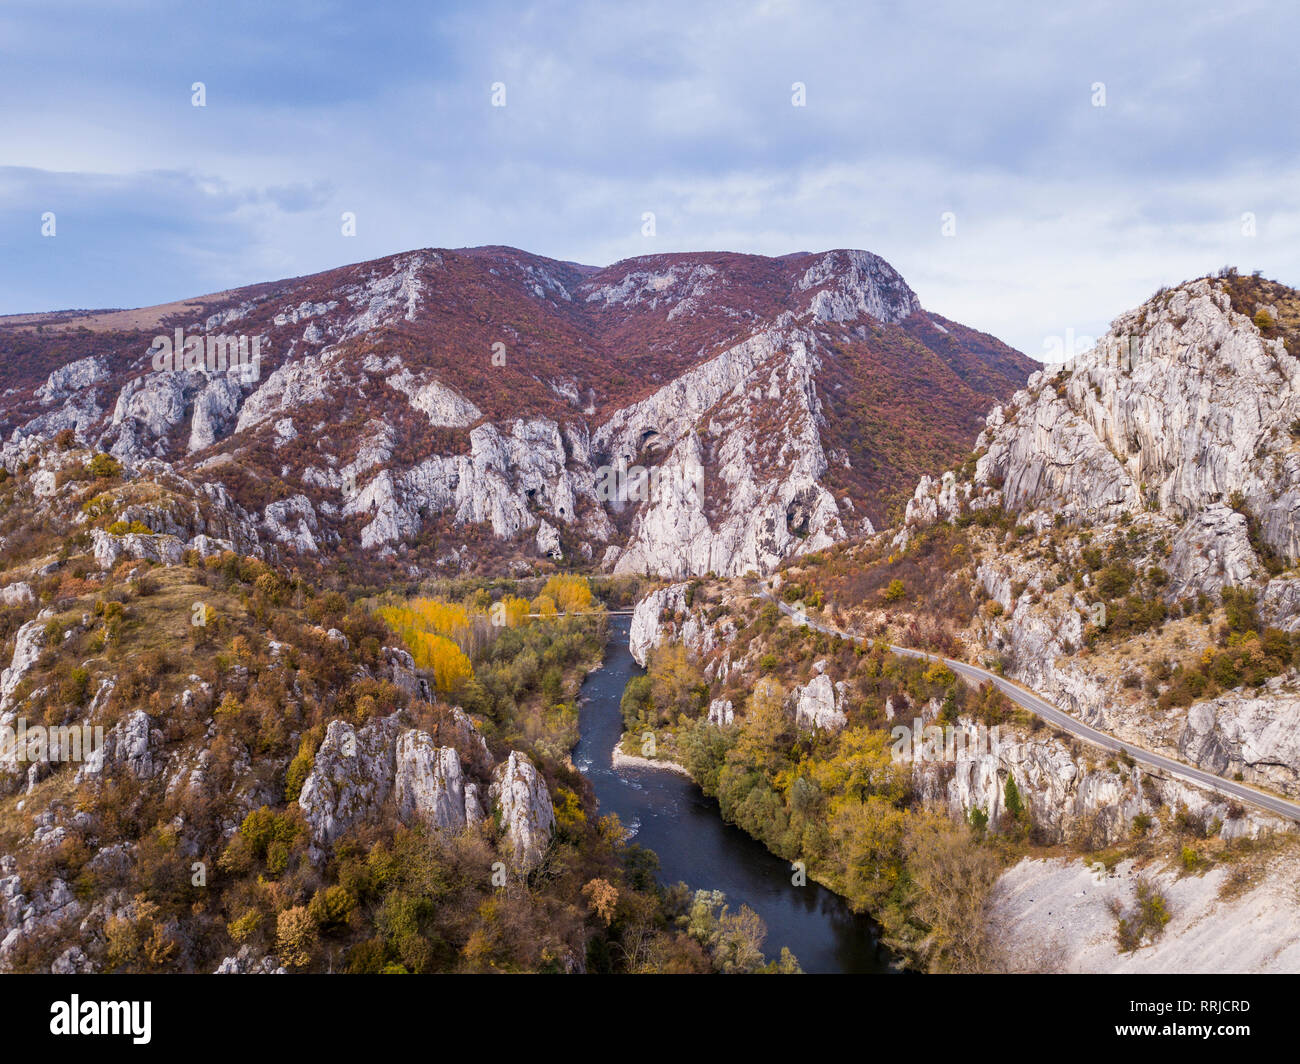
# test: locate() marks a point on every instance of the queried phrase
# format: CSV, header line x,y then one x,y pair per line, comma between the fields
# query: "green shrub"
x,y
104,466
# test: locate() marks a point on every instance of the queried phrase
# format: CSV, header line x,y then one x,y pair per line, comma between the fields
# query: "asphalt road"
x,y
1039,706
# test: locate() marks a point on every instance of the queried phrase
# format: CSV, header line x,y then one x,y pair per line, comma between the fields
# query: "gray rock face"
x,y
654,621
27,651
401,671
214,412
357,770
818,705
160,549
430,787
1256,735
519,794
646,631
294,384
765,500
71,378
247,962
497,483
24,913
292,522
1065,796
1181,406
850,284
18,593
548,541
149,408
350,778
1210,552
443,406
72,961
127,746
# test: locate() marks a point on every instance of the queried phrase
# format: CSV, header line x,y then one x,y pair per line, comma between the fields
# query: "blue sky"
x,y
1065,213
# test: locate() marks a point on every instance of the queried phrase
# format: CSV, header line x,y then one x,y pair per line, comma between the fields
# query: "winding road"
x,y
1039,706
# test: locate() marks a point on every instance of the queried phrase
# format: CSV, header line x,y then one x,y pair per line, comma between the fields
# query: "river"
x,y
670,815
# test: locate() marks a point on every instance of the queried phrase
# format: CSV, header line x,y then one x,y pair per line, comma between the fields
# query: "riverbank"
x,y
664,811
623,760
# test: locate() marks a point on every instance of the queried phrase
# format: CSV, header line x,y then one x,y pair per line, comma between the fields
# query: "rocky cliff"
x,y
673,414
1160,466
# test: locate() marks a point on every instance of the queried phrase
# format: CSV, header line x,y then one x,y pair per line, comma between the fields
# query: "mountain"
x,y
1122,539
234,735
1154,484
470,408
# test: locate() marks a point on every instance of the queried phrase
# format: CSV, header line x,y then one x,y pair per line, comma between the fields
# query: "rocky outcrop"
x,y
519,796
430,786
71,378
400,669
18,593
292,522
248,962
127,746
1255,735
214,412
646,630
355,772
350,778
1069,796
497,483
849,285
664,616
73,961
443,407
26,912
548,541
109,549
1211,551
295,384
1182,406
819,704
721,712
27,651
761,499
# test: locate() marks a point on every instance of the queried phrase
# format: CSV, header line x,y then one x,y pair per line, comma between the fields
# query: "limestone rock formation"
x,y
720,451
819,704
128,746
429,786
350,778
519,794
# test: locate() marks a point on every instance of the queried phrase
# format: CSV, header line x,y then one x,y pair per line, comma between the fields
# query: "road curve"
x,y
1039,706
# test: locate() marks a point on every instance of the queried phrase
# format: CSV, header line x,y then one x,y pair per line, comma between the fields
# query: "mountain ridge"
x,y
389,391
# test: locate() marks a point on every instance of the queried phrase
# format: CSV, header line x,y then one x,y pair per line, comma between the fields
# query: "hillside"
x,y
1122,539
466,408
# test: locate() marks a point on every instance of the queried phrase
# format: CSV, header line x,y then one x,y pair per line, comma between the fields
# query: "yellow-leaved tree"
x,y
571,594
430,629
513,610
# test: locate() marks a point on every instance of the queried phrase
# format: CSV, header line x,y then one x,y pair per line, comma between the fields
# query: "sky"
x,y
1031,171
